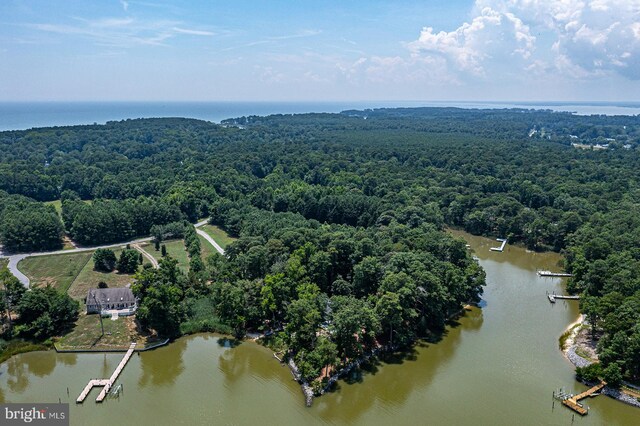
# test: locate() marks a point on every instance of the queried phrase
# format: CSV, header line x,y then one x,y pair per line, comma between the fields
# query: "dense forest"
x,y
340,217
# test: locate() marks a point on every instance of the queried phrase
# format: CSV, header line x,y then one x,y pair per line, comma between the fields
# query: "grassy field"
x,y
175,249
66,244
57,204
3,262
74,274
206,249
118,334
89,278
57,270
218,235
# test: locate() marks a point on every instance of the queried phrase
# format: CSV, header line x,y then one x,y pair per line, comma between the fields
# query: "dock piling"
x,y
572,401
106,384
501,248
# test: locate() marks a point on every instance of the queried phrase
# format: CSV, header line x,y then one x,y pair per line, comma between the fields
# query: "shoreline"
x,y
569,345
568,349
308,390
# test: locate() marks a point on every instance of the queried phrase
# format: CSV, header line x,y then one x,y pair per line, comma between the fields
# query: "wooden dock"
x,y
553,297
106,384
501,248
85,392
553,274
573,401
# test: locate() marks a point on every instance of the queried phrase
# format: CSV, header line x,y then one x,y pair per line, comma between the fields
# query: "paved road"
x,y
16,258
211,240
207,236
201,223
13,267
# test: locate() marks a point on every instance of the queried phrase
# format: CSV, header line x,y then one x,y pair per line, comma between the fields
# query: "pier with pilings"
x,y
553,297
106,384
553,274
501,248
573,401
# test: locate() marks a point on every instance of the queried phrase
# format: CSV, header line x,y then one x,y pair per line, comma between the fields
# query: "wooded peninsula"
x,y
339,222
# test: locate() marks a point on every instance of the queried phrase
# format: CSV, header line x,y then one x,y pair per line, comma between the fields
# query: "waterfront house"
x,y
111,299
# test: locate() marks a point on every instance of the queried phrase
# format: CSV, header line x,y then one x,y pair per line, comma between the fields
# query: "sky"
x,y
304,50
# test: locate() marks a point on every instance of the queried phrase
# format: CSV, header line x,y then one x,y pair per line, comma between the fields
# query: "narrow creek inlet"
x,y
498,365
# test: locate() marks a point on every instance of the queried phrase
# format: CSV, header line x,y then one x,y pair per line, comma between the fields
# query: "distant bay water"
x,y
25,115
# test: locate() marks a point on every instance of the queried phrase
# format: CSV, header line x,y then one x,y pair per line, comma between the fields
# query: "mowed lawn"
x,y
57,204
206,249
218,235
3,262
175,249
118,334
89,278
58,270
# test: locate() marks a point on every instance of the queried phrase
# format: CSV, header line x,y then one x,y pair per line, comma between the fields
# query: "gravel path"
x,y
146,254
211,240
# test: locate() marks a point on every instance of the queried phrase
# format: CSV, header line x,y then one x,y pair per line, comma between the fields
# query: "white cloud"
x,y
492,36
380,70
125,5
122,32
589,38
193,32
574,38
544,44
267,74
273,40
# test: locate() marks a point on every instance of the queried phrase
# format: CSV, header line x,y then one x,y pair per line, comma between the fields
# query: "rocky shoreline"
x,y
308,391
573,342
576,359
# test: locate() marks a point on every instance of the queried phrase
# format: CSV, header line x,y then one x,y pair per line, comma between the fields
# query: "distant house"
x,y
111,299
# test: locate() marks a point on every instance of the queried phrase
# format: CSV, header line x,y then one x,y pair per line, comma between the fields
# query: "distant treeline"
x,y
393,176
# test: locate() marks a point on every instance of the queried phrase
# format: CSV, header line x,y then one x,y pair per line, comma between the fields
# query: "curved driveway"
x,y
211,240
207,236
16,258
146,254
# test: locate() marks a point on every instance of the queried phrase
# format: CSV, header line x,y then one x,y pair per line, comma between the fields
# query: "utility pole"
x,y
99,312
6,303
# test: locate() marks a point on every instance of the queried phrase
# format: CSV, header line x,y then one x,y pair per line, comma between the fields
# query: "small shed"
x,y
110,299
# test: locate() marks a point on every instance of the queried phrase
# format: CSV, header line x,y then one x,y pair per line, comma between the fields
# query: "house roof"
x,y
110,295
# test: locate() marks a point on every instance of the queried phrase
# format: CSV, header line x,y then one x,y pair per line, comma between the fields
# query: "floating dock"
x,y
106,384
573,401
501,248
553,274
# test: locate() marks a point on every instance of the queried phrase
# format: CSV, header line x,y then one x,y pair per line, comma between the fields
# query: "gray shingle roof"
x,y
110,295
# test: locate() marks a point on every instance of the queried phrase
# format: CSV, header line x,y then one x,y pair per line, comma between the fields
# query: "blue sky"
x,y
525,50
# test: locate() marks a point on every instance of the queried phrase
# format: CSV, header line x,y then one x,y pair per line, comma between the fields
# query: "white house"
x,y
111,299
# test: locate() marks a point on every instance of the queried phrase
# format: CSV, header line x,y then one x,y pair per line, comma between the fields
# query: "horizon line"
x,y
516,102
